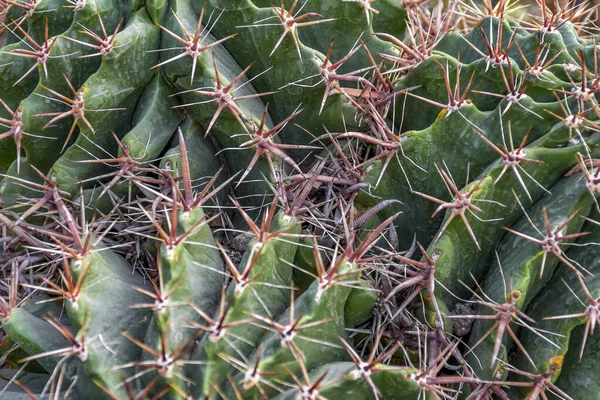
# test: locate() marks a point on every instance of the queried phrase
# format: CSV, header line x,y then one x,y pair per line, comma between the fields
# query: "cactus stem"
x,y
28,6
552,240
40,53
78,344
592,179
496,54
364,369
189,200
505,314
541,61
366,6
242,280
584,92
512,158
458,206
575,121
307,390
193,44
217,328
130,394
222,95
172,239
263,233
455,100
515,91
553,20
164,360
76,5
105,44
77,110
15,130
129,166
253,377
290,331
591,313
291,23
160,296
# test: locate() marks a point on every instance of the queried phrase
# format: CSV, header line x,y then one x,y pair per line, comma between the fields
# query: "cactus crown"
x,y
385,199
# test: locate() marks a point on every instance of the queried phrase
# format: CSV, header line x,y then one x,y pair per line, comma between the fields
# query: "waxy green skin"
x,y
42,147
26,327
486,77
350,20
227,132
426,80
117,84
41,151
460,259
107,321
438,134
573,378
153,125
556,300
12,68
434,144
359,305
285,66
189,254
338,384
564,41
317,344
192,273
361,300
520,259
194,268
34,335
154,121
268,295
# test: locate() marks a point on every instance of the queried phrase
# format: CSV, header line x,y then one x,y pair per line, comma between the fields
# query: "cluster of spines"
x,y
397,157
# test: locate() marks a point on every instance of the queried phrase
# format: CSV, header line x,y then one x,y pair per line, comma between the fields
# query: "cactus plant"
x,y
237,199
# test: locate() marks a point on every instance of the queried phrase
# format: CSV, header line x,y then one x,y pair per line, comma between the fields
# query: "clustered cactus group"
x,y
319,199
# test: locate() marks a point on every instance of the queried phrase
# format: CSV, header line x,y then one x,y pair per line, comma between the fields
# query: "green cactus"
x,y
304,200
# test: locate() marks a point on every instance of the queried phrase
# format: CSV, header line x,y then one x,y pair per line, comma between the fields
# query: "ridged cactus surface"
x,y
236,199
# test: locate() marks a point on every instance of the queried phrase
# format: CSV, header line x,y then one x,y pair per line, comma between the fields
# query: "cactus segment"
x,y
517,276
557,310
244,199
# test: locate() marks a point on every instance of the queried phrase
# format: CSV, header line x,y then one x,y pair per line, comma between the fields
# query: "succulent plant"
x,y
384,199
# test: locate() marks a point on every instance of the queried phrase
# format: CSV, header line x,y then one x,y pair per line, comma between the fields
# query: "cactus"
x,y
237,199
